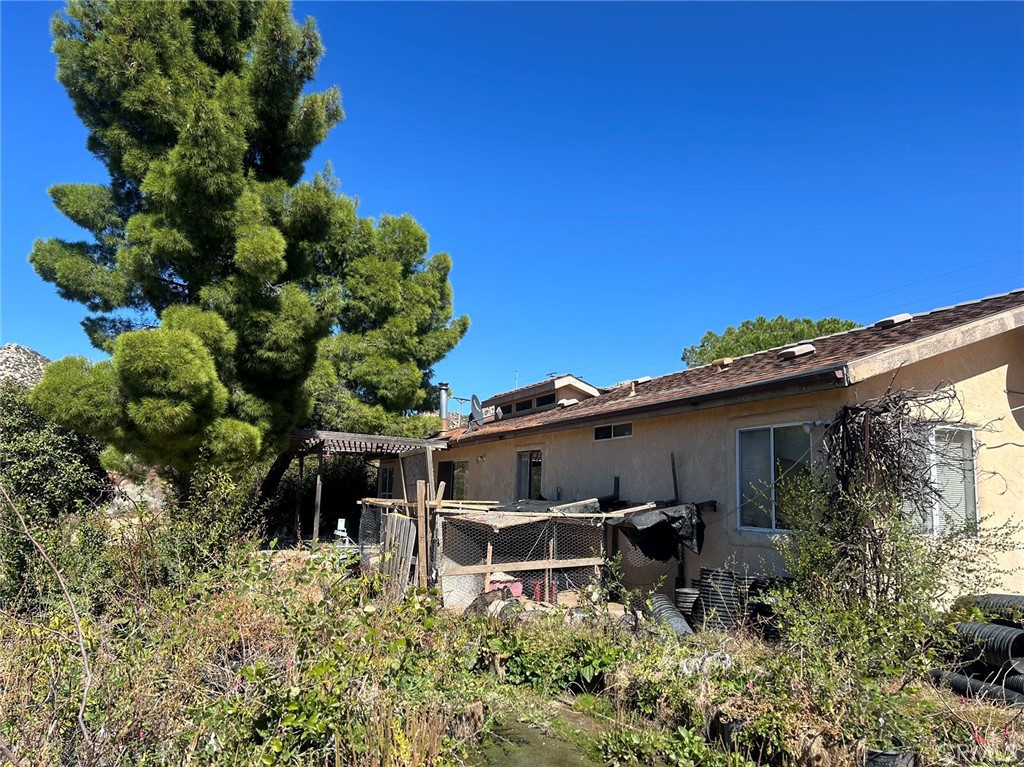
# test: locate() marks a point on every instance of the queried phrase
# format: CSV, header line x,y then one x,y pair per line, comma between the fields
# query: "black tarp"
x,y
663,533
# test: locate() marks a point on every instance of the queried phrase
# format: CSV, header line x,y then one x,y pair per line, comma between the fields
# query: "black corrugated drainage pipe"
x,y
1009,607
665,612
968,686
1000,646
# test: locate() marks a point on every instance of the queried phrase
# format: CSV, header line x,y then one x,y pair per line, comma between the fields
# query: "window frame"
x,y
939,504
529,474
549,400
383,471
773,530
612,434
464,464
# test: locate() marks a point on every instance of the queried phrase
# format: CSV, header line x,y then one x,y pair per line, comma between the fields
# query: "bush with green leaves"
x,y
551,656
681,747
48,471
271,658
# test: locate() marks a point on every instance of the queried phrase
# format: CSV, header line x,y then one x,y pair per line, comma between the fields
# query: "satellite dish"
x,y
498,413
476,409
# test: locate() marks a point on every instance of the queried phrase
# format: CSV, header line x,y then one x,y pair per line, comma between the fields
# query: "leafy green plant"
x,y
682,747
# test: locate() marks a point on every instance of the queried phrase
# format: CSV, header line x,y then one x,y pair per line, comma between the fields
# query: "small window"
x,y
545,400
766,459
525,404
386,482
613,431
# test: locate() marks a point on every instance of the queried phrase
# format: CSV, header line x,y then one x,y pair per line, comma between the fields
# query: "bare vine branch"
x,y
79,634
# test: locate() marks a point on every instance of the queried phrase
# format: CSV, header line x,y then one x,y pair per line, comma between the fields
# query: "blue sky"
x,y
612,180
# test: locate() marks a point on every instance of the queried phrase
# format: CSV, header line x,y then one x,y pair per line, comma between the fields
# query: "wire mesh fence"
x,y
537,556
535,552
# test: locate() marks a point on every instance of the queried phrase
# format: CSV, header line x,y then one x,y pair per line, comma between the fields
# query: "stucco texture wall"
x,y
988,375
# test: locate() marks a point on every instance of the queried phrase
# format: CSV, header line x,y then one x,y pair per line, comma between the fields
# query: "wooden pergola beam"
x,y
306,441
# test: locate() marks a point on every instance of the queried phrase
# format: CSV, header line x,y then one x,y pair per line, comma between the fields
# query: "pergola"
x,y
321,443
306,441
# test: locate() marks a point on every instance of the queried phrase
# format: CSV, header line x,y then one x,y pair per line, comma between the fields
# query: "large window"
x,y
766,459
454,474
528,475
953,509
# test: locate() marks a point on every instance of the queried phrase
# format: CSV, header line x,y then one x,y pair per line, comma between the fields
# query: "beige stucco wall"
x,y
704,445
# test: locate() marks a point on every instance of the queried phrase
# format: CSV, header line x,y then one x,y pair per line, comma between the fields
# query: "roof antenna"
x,y
517,380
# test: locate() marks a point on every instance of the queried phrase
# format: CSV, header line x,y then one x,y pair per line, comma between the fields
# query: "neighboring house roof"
x,y
837,360
21,364
541,387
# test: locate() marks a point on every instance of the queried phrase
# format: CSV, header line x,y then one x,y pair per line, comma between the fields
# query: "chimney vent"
x,y
443,389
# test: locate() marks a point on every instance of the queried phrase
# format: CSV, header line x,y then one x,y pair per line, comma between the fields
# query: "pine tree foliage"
x,y
759,334
216,278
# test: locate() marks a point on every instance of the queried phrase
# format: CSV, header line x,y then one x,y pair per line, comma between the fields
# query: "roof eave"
x,y
944,341
819,379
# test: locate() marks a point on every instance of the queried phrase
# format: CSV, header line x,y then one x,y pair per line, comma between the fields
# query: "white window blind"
x,y
956,509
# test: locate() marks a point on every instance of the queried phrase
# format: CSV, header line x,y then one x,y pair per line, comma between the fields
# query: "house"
x,y
720,430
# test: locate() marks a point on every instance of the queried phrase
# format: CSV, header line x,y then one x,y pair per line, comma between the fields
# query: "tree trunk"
x,y
272,481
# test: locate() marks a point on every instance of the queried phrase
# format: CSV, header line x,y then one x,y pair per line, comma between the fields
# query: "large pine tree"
x,y
227,291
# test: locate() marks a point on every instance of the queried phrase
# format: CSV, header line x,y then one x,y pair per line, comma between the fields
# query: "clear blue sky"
x,y
612,180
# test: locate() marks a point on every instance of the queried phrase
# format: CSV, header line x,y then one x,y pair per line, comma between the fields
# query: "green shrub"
x,y
547,654
682,747
49,469
221,510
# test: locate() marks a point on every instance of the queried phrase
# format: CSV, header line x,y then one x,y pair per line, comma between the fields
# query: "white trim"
x,y
885,361
937,504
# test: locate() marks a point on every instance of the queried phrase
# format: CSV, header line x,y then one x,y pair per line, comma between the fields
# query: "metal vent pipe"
x,y
443,388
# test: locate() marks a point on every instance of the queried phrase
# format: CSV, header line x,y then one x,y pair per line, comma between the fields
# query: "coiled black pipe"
x,y
1000,646
665,612
969,686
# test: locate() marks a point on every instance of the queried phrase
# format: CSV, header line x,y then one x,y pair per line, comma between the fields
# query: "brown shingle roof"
x,y
759,371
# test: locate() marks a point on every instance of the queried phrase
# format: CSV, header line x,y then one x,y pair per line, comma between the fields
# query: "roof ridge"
x,y
856,329
969,303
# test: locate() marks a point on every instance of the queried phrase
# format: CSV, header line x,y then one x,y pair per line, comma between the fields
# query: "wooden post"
x,y
428,456
298,501
401,478
421,534
316,502
487,574
438,501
